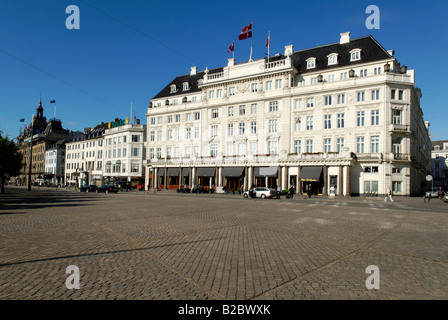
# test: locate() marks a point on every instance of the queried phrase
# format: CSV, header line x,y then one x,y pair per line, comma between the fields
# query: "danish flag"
x,y
246,32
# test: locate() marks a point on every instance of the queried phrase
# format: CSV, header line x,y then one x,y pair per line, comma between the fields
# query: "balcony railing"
x,y
401,156
400,127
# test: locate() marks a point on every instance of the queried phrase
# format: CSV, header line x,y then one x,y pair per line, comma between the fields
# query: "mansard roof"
x,y
371,51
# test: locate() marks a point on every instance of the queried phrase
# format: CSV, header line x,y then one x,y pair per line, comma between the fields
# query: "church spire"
x,y
40,109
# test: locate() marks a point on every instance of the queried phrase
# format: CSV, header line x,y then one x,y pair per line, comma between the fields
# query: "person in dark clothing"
x,y
291,192
309,191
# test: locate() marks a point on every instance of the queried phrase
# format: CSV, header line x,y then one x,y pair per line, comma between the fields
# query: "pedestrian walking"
x,y
279,191
291,192
309,191
388,194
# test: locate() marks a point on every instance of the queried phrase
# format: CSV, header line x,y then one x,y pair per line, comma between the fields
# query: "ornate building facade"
x,y
344,116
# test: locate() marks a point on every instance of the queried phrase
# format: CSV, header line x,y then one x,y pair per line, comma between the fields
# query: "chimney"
x,y
193,71
345,37
289,50
231,62
391,52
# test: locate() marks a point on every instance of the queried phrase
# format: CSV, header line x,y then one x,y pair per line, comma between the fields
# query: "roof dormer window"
x,y
173,88
186,86
311,63
332,59
355,55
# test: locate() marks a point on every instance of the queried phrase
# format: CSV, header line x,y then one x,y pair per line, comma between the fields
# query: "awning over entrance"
x,y
310,174
233,172
161,172
270,172
173,172
185,172
206,172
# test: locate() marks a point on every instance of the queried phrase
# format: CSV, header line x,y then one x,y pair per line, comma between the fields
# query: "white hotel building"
x,y
344,115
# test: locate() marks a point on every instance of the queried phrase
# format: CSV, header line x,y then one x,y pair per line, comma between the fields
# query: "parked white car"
x,y
445,197
261,192
433,193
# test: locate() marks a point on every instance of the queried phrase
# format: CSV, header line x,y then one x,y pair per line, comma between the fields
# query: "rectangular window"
x,y
375,117
214,131
211,94
363,73
241,149
253,147
241,128
187,151
197,116
327,121
278,83
269,85
396,116
298,104
298,146
153,121
341,98
309,146
214,150
219,93
253,127
135,152
152,136
344,76
400,95
215,113
360,144
169,134
376,94
298,124
177,117
230,149
375,144
360,118
188,117
272,147
377,70
327,145
339,144
230,129
273,106
159,135
196,151
253,108
309,123
242,110
230,111
273,126
187,133
396,186
231,91
393,94
254,87
361,96
310,102
159,153
170,119
340,120
327,100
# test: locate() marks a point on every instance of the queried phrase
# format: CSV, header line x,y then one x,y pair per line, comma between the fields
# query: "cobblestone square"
x,y
171,246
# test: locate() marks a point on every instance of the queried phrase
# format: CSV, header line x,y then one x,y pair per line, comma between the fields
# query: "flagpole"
x,y
252,27
269,42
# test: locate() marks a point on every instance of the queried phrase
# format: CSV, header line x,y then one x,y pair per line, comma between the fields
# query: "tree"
x,y
10,160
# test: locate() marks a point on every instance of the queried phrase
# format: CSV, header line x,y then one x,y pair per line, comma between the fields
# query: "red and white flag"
x,y
231,47
246,32
268,41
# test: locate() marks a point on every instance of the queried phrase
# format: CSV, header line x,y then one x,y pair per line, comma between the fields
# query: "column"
x,y
347,181
219,184
155,177
146,178
324,191
279,176
299,183
165,178
340,186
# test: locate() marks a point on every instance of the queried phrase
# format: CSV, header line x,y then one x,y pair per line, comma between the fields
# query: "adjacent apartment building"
x,y
345,115
439,159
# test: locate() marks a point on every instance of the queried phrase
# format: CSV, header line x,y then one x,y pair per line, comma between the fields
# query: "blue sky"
x,y
127,51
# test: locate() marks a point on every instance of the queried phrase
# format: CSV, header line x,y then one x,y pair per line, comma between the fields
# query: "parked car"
x,y
432,192
88,188
260,192
445,197
107,189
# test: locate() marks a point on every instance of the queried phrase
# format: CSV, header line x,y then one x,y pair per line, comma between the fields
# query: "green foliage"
x,y
10,158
